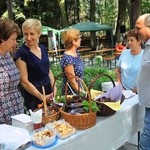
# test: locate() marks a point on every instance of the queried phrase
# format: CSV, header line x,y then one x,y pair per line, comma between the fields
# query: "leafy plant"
x,y
61,99
98,60
86,106
89,73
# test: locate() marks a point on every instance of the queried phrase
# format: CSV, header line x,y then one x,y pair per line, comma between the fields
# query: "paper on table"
x,y
113,105
95,93
24,118
22,121
18,137
36,116
128,93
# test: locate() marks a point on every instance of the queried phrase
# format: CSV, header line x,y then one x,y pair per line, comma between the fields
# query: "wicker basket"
x,y
49,118
81,121
104,110
59,84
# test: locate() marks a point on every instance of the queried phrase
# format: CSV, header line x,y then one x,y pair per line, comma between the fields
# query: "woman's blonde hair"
x,y
69,35
33,23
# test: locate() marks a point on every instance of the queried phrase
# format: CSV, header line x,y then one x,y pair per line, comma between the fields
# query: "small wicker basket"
x,y
49,118
104,109
81,121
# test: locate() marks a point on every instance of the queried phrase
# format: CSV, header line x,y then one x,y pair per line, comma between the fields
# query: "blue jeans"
x,y
145,136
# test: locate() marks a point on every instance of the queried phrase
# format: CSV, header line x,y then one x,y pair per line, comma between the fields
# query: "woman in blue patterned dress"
x,y
33,63
71,63
11,101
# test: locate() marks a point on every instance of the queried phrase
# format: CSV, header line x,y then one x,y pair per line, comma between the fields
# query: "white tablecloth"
x,y
109,133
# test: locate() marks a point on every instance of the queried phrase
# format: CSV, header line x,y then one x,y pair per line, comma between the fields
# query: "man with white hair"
x,y
142,27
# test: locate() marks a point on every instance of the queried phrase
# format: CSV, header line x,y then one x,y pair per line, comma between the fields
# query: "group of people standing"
x,y
31,68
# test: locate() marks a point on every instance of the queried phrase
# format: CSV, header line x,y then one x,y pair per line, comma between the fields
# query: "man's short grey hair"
x,y
147,21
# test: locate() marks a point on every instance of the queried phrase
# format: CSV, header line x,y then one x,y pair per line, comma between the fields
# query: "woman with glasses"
x,y
71,63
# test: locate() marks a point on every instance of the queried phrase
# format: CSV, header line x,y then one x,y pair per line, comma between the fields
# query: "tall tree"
x,y
10,9
122,7
64,21
134,10
76,11
92,19
92,10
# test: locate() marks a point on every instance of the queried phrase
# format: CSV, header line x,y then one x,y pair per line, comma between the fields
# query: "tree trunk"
x,y
64,21
76,11
134,10
92,19
92,10
122,5
10,9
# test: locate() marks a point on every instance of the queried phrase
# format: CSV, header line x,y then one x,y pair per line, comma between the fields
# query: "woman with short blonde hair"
x,y
69,35
32,23
33,62
71,63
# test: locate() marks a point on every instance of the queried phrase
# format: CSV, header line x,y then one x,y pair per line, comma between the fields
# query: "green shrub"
x,y
89,73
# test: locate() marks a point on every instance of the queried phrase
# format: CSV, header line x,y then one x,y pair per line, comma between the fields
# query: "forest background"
x,y
60,14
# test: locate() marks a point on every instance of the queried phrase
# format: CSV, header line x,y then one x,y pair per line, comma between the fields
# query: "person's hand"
x,y
49,97
134,90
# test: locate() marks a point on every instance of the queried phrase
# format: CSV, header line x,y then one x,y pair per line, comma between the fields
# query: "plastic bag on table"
x,y
114,94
